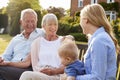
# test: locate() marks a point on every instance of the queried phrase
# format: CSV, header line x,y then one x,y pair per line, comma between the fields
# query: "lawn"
x,y
4,40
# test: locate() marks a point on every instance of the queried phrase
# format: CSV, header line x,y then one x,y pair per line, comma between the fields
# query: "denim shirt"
x,y
19,46
100,58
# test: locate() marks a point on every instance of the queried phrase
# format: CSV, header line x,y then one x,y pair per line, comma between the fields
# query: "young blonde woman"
x,y
100,58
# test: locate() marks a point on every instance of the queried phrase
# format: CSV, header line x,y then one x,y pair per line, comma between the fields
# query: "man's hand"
x,y
1,60
4,63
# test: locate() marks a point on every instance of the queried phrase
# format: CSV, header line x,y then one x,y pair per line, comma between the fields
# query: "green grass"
x,y
4,40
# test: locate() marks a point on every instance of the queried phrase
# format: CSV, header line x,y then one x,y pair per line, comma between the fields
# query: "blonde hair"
x,y
96,16
49,17
68,49
26,11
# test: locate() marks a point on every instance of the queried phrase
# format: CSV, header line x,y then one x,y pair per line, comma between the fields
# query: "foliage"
x,y
76,28
14,9
3,20
67,12
4,40
69,25
77,14
110,6
79,37
59,12
63,29
116,28
119,14
3,10
66,19
43,12
14,25
39,18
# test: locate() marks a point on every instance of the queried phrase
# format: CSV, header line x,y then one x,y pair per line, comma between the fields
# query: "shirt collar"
x,y
21,34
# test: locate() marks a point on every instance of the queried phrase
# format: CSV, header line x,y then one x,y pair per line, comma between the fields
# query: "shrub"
x,y
79,37
77,14
75,29
63,29
116,28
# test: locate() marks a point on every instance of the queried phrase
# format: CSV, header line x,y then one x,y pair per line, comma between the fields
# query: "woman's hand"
x,y
53,71
48,71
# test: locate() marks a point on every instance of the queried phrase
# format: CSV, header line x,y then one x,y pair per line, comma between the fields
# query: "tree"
x,y
59,12
14,9
3,19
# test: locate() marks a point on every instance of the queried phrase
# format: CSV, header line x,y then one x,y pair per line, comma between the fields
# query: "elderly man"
x,y
12,63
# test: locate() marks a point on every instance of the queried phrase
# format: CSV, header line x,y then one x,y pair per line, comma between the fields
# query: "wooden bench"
x,y
82,49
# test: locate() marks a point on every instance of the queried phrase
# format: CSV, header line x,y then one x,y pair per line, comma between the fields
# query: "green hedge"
x,y
111,6
79,37
116,28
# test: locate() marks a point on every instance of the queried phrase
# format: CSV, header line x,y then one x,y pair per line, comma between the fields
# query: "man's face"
x,y
29,22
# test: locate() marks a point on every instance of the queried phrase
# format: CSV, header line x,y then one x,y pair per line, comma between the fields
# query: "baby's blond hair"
x,y
68,49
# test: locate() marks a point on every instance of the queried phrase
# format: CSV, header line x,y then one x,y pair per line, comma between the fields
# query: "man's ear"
x,y
21,28
86,20
43,26
20,21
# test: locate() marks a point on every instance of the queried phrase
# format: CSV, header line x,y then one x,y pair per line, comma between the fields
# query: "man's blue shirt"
x,y
19,46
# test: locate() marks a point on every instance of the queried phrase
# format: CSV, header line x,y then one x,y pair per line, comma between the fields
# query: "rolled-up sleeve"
x,y
7,55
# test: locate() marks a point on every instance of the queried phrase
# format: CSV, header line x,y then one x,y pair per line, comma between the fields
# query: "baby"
x,y
68,53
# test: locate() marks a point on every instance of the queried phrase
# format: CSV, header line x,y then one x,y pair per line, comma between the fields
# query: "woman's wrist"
x,y
58,71
53,71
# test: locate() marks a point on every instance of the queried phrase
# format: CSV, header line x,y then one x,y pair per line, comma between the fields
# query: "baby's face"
x,y
64,61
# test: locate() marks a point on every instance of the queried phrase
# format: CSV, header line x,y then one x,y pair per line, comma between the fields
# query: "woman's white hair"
x,y
25,11
48,17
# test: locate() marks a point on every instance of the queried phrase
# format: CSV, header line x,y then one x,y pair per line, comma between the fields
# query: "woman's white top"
x,y
48,54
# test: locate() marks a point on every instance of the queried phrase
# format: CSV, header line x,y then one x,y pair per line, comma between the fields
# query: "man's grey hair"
x,y
25,11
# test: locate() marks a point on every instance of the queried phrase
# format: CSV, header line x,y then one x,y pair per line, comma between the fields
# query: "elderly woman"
x,y
44,53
